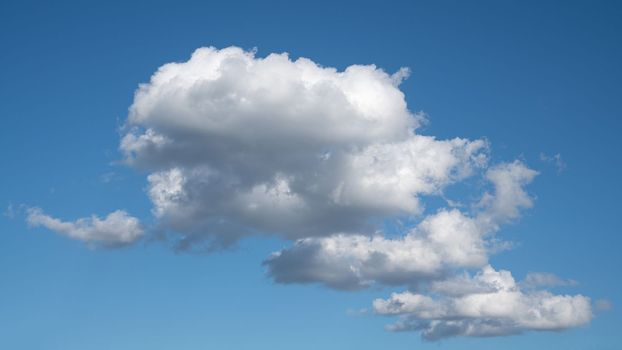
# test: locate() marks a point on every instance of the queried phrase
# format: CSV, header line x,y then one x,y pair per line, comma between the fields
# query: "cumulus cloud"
x,y
489,304
441,242
447,239
239,145
116,229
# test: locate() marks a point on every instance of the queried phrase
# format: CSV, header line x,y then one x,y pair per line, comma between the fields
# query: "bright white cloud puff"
x,y
489,304
239,145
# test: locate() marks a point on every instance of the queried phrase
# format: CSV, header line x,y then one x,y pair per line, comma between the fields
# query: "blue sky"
x,y
534,79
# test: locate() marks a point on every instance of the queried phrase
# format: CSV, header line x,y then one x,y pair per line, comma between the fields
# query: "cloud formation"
x,y
445,240
442,241
116,229
241,145
238,145
489,304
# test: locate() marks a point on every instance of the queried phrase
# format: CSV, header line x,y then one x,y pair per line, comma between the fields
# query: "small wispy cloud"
x,y
603,305
9,212
555,160
116,229
109,177
543,279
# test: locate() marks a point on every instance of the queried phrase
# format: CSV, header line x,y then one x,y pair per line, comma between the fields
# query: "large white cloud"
x,y
116,229
241,145
489,304
237,145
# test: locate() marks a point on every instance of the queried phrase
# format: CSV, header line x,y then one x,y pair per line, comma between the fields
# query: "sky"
x,y
278,175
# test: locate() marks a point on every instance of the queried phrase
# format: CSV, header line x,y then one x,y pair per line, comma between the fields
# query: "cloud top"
x,y
239,145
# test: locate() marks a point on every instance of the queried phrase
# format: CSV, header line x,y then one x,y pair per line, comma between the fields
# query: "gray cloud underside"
x,y
441,242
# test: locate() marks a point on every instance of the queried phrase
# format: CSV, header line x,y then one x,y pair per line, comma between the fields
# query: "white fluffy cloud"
x,y
241,145
489,304
510,196
442,241
116,229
